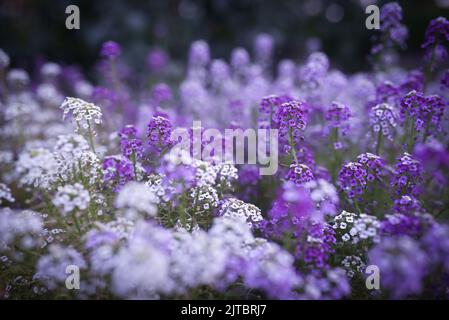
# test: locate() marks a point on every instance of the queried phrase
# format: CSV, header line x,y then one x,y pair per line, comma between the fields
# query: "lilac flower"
x,y
117,171
159,133
407,175
403,265
263,47
130,144
110,50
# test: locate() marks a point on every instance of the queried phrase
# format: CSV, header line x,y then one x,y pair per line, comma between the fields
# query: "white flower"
x,y
247,212
71,197
36,167
137,197
82,112
5,193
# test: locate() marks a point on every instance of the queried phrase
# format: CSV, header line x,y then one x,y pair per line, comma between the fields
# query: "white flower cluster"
x,y
73,155
204,198
353,264
5,193
247,212
155,183
152,261
355,228
22,227
82,112
137,201
71,197
36,167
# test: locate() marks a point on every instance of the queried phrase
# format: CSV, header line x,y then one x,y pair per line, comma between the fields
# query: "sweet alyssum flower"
x,y
408,175
130,144
383,121
159,133
233,207
299,174
71,197
135,198
117,171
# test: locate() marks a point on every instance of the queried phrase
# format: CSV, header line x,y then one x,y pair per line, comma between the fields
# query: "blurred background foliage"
x,y
31,30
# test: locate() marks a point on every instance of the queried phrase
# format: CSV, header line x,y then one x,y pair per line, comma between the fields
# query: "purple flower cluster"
x,y
268,109
159,133
291,120
117,171
382,120
391,17
436,34
317,244
407,175
403,265
130,144
299,174
354,176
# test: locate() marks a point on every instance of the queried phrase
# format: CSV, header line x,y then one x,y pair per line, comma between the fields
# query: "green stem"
x,y
90,136
379,142
75,220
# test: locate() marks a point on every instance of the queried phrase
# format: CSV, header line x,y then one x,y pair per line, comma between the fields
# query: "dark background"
x,y
30,30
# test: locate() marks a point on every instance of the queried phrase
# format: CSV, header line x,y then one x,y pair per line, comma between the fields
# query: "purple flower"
x,y
445,79
157,60
199,54
435,159
391,17
291,121
403,265
117,171
161,92
268,108
316,245
407,175
130,144
425,111
408,223
382,120
337,117
159,133
437,31
406,205
110,50
299,174
354,176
